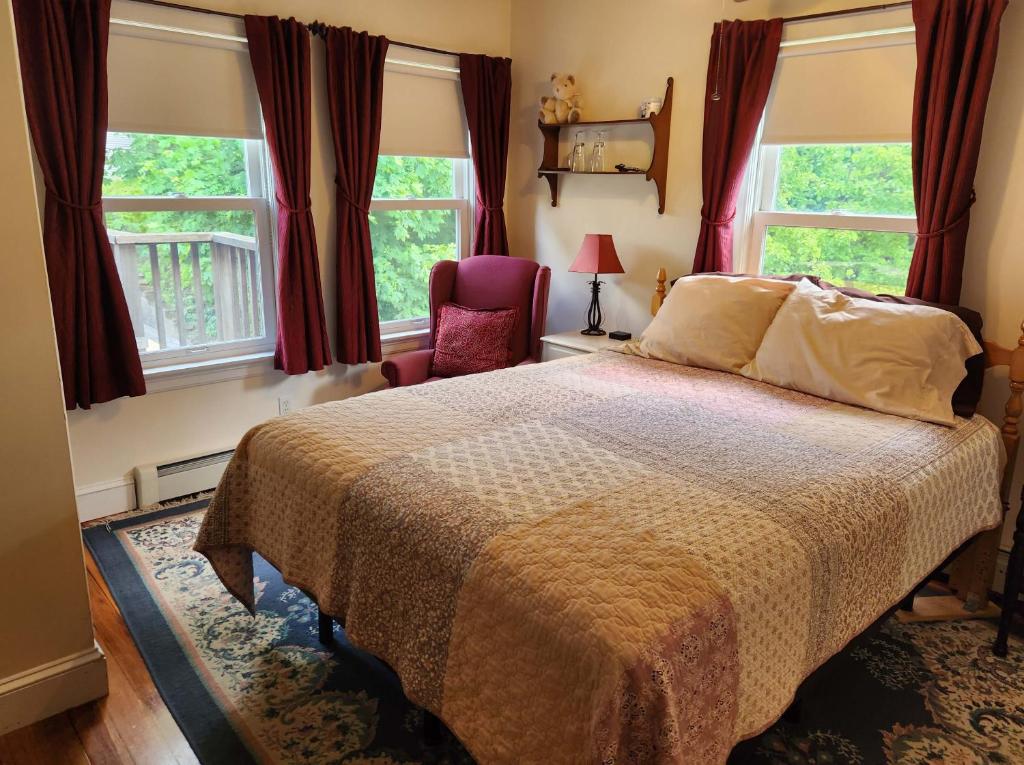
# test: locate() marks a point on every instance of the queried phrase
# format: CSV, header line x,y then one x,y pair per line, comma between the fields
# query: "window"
x,y
844,212
830,191
420,214
189,224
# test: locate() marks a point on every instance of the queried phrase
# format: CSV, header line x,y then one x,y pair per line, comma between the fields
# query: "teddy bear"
x,y
566,106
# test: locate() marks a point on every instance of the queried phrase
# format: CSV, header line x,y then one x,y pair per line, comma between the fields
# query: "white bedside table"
x,y
574,344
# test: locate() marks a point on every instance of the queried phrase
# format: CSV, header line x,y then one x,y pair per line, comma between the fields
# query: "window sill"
x,y
401,342
194,373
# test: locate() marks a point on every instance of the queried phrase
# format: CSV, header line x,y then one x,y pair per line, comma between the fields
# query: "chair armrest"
x,y
409,368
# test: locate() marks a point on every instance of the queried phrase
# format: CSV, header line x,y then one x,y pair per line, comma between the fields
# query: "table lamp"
x,y
596,256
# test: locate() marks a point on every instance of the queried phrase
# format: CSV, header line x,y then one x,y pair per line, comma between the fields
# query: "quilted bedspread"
x,y
602,558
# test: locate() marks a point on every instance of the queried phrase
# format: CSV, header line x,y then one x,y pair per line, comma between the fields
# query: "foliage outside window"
x,y
188,220
419,215
844,212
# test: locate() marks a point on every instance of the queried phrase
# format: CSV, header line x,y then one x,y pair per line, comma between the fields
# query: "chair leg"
x,y
325,627
1011,589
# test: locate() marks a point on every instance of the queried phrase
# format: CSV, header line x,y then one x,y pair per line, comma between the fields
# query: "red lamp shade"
x,y
597,256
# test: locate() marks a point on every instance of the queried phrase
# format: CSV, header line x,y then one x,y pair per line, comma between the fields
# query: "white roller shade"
x,y
423,114
837,90
162,79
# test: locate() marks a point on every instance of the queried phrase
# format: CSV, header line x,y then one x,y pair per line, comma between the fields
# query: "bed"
x,y
603,558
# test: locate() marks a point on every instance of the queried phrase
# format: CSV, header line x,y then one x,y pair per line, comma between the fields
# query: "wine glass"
x,y
597,153
578,159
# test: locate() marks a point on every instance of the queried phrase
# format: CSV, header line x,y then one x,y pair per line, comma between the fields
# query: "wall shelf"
x,y
661,124
567,171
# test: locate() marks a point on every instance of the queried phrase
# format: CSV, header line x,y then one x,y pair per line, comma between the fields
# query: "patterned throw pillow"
x,y
471,340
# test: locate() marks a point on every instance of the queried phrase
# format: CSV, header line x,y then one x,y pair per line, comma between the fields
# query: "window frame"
x,y
759,216
464,207
257,201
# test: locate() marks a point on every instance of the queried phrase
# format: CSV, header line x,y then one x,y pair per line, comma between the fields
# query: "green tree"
x,y
407,243
872,179
139,164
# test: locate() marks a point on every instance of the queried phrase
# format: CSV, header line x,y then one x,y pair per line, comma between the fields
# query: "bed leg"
x,y
793,712
1011,590
431,729
325,627
907,604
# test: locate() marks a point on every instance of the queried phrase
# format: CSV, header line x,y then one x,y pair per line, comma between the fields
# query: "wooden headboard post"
x,y
972,572
996,355
659,292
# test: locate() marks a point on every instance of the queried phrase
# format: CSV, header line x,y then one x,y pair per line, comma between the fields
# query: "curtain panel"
x,y
487,95
740,71
355,87
279,53
956,56
63,51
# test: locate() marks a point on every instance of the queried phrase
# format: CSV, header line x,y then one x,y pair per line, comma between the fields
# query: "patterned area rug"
x,y
264,690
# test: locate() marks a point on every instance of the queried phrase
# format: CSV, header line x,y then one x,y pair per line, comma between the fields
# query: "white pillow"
x,y
898,359
715,322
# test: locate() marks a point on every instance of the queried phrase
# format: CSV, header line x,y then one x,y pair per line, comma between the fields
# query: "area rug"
x,y
264,690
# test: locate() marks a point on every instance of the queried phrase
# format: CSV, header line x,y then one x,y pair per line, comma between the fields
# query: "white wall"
x,y
110,439
46,622
621,54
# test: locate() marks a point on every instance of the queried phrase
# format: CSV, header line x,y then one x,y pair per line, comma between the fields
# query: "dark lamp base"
x,y
594,312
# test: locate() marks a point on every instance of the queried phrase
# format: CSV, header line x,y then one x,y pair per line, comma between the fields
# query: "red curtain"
x,y
740,72
63,51
279,52
956,56
355,86
487,95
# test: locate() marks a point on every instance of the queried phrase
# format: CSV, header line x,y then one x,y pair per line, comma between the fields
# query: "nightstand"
x,y
574,344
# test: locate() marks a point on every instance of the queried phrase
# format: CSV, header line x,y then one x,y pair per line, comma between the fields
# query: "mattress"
x,y
602,558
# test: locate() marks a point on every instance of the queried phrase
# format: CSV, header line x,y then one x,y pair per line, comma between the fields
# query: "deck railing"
x,y
168,290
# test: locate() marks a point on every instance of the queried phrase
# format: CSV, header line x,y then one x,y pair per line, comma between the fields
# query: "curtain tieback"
x,y
91,207
718,223
354,203
493,208
955,224
348,199
295,210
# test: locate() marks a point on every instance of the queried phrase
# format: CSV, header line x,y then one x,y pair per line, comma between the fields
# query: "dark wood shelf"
x,y
567,171
588,123
661,124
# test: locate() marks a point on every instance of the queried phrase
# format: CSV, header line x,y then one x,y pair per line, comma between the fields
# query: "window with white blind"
x,y
186,193
421,210
830,187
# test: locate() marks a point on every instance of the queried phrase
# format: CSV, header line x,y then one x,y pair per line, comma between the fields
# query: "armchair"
x,y
481,281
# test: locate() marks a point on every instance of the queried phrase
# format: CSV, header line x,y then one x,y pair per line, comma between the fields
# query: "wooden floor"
x,y
131,725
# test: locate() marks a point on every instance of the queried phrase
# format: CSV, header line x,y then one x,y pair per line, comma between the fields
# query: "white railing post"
x,y
127,260
237,294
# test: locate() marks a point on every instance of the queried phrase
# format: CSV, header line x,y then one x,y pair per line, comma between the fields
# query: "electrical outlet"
x,y
284,405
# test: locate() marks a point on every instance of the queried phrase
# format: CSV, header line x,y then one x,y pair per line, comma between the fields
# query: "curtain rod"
x,y
317,28
846,12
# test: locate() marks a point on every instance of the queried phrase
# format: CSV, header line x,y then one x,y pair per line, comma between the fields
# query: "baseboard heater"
x,y
161,481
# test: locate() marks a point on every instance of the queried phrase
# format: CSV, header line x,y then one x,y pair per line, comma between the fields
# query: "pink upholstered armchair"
x,y
481,281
